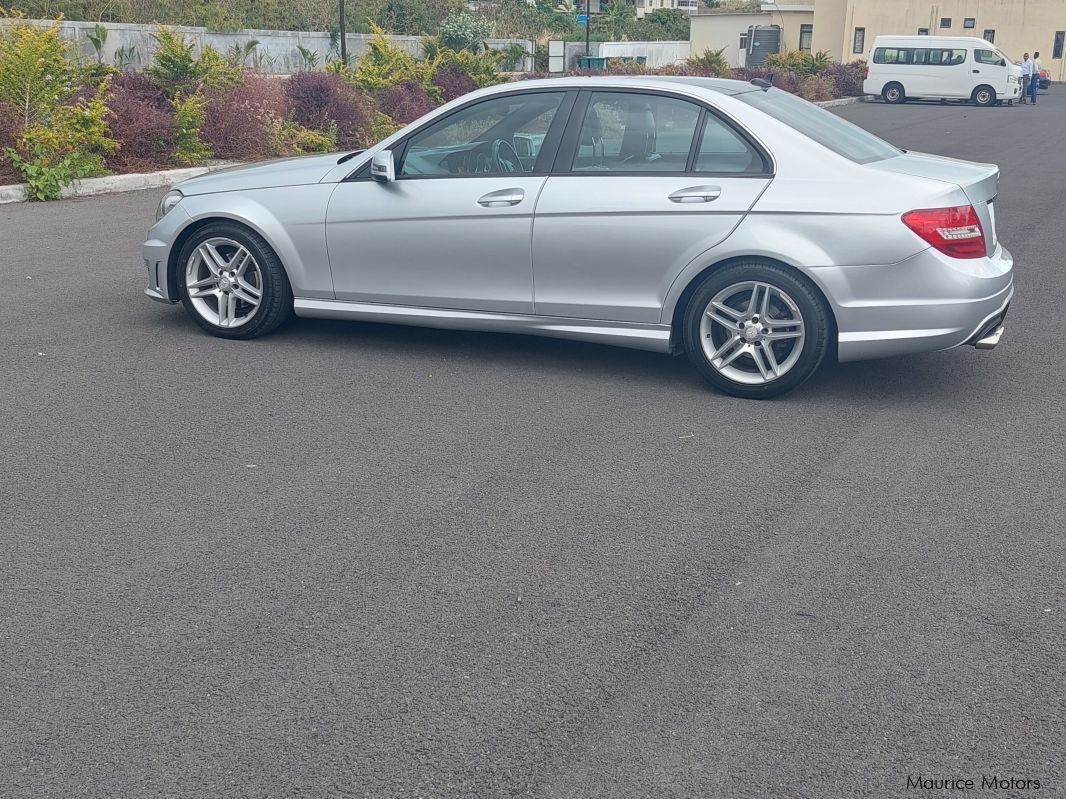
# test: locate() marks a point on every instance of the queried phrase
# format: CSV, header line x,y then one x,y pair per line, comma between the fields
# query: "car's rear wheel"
x,y
756,330
984,95
232,283
893,93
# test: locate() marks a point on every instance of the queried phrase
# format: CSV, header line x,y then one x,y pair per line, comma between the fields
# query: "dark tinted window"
x,y
892,55
945,22
816,123
1056,51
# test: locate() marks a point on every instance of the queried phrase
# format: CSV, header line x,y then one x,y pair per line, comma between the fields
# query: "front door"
x,y
650,183
454,229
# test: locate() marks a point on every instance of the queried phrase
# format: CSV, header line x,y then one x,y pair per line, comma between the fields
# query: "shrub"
x,y
382,126
178,71
292,138
817,88
37,73
713,61
144,123
70,143
319,99
465,30
510,58
189,117
386,64
802,62
241,122
848,78
9,130
406,102
481,67
453,82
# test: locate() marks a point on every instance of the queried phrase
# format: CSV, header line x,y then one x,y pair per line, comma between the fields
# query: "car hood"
x,y
268,175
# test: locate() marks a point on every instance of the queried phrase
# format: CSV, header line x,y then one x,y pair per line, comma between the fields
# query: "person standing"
x,y
1027,75
1034,82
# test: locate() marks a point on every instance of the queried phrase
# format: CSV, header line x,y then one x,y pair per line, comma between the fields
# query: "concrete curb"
x,y
842,101
112,184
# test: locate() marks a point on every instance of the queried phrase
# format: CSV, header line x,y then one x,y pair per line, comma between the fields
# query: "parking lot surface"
x,y
358,560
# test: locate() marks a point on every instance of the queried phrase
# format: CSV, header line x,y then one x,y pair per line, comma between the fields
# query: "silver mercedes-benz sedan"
x,y
737,223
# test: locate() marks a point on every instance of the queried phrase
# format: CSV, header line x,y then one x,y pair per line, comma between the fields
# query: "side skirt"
x,y
620,334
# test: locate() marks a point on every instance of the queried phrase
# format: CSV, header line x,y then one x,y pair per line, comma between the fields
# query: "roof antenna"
x,y
764,83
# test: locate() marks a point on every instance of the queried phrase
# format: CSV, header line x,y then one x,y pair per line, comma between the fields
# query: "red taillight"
x,y
866,71
954,231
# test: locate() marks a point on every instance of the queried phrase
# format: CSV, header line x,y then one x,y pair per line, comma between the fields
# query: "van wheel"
x,y
893,93
984,95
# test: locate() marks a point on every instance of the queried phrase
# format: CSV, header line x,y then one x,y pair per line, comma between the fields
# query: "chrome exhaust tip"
x,y
991,340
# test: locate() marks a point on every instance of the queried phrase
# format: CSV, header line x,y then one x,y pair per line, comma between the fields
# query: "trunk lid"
x,y
980,183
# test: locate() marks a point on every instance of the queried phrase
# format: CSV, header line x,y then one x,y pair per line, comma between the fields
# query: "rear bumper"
x,y
926,303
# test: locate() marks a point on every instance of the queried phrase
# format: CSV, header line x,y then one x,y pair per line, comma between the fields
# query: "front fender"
x,y
292,219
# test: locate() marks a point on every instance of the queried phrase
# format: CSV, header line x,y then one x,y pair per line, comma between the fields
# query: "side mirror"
x,y
383,168
1002,63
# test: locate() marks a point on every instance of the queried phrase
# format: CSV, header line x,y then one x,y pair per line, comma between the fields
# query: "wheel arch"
x,y
198,224
677,311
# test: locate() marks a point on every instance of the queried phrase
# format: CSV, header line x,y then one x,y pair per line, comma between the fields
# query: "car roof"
x,y
718,85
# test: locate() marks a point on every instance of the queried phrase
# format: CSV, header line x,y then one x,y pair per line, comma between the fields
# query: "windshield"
x,y
829,130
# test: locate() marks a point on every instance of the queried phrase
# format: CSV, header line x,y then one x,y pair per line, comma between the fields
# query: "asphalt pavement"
x,y
376,561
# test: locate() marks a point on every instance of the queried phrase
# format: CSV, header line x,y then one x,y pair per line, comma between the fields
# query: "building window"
x,y
945,22
990,36
923,31
743,42
806,34
969,22
858,44
1056,51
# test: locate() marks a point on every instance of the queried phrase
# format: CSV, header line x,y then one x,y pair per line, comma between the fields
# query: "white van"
x,y
941,68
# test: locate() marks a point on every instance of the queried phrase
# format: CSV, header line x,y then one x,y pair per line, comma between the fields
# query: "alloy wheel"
x,y
224,282
752,332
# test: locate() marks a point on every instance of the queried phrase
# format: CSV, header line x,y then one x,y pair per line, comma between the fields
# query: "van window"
x,y
892,55
829,130
989,57
940,57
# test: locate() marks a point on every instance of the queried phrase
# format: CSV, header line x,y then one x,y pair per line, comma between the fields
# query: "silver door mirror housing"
x,y
382,167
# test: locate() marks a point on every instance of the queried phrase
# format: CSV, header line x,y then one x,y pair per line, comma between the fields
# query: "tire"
x,y
893,93
984,96
218,285
797,347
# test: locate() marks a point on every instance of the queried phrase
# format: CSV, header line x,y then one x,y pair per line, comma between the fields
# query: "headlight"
x,y
166,205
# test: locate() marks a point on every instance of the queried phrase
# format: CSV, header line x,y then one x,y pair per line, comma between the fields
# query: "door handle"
x,y
501,198
696,194
977,72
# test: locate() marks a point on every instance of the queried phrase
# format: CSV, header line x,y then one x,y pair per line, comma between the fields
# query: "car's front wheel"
x,y
984,96
756,330
232,283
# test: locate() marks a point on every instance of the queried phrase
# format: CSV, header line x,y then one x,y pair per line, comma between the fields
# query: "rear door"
x,y
644,184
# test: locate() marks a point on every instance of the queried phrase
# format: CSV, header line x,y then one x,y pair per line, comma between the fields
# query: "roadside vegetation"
x,y
64,116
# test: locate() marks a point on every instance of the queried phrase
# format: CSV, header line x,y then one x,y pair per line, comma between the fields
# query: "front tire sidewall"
x,y
275,307
816,320
984,96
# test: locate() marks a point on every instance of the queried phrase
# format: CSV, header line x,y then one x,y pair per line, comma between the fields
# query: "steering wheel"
x,y
505,156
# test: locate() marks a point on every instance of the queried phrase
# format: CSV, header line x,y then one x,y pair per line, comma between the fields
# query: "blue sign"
x,y
582,19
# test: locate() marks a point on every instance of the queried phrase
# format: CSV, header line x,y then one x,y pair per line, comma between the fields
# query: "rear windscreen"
x,y
829,130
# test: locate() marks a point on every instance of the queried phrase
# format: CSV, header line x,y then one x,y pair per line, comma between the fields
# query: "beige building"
x,y
846,29
729,29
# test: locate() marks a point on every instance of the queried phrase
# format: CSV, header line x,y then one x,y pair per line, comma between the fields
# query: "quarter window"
x,y
493,137
806,35
724,151
636,133
858,42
